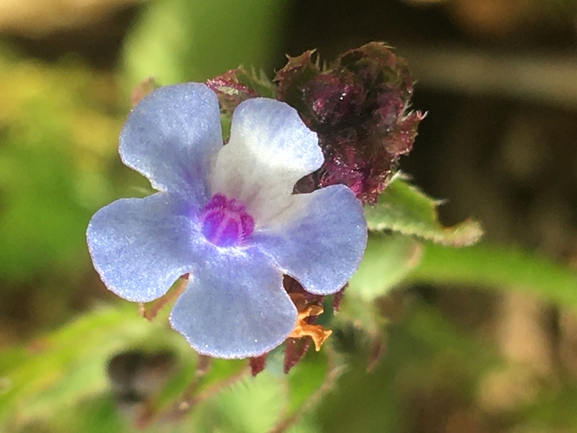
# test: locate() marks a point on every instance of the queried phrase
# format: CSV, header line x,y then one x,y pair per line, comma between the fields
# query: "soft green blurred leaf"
x,y
311,379
498,267
389,257
222,369
192,40
94,415
253,405
422,351
387,260
69,365
305,379
59,382
361,314
55,134
403,208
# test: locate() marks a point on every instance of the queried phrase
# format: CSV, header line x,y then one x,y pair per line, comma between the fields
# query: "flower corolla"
x,y
227,216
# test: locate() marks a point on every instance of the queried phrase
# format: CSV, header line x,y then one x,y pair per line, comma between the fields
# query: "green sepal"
x,y
405,209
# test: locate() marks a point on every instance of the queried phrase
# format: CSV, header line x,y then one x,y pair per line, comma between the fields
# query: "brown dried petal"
x,y
257,364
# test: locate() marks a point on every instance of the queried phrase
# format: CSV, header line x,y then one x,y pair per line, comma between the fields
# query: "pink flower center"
x,y
225,222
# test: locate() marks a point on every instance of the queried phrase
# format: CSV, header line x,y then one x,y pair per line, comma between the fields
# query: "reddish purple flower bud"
x,y
358,107
332,100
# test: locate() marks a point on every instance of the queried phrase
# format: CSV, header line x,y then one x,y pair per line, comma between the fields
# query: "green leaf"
x,y
95,415
250,405
310,380
387,260
363,316
305,379
69,365
221,370
403,208
424,352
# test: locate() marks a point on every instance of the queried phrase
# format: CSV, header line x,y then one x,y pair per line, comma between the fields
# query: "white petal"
x,y
269,150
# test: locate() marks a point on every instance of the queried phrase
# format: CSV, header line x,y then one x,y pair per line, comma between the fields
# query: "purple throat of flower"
x,y
225,222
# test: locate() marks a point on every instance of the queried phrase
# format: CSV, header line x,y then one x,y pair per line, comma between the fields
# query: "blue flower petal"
x,y
171,136
269,150
141,246
322,241
234,306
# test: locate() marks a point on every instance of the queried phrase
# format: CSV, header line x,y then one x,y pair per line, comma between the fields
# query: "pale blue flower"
x,y
225,215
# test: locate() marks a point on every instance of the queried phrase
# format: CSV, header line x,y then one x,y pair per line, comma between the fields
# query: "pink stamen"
x,y
225,222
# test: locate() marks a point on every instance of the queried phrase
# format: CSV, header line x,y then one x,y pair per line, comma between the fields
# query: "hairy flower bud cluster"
x,y
358,106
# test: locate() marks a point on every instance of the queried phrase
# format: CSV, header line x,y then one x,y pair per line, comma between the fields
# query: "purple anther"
x,y
225,222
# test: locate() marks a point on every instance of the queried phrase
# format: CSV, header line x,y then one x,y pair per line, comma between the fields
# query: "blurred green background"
x,y
499,82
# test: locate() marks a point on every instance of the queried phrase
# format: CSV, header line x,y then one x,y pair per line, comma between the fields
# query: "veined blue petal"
x,y
171,136
322,241
234,306
269,150
141,246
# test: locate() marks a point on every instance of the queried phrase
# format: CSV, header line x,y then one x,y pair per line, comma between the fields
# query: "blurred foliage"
x,y
59,382
388,259
58,163
56,133
184,40
498,267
